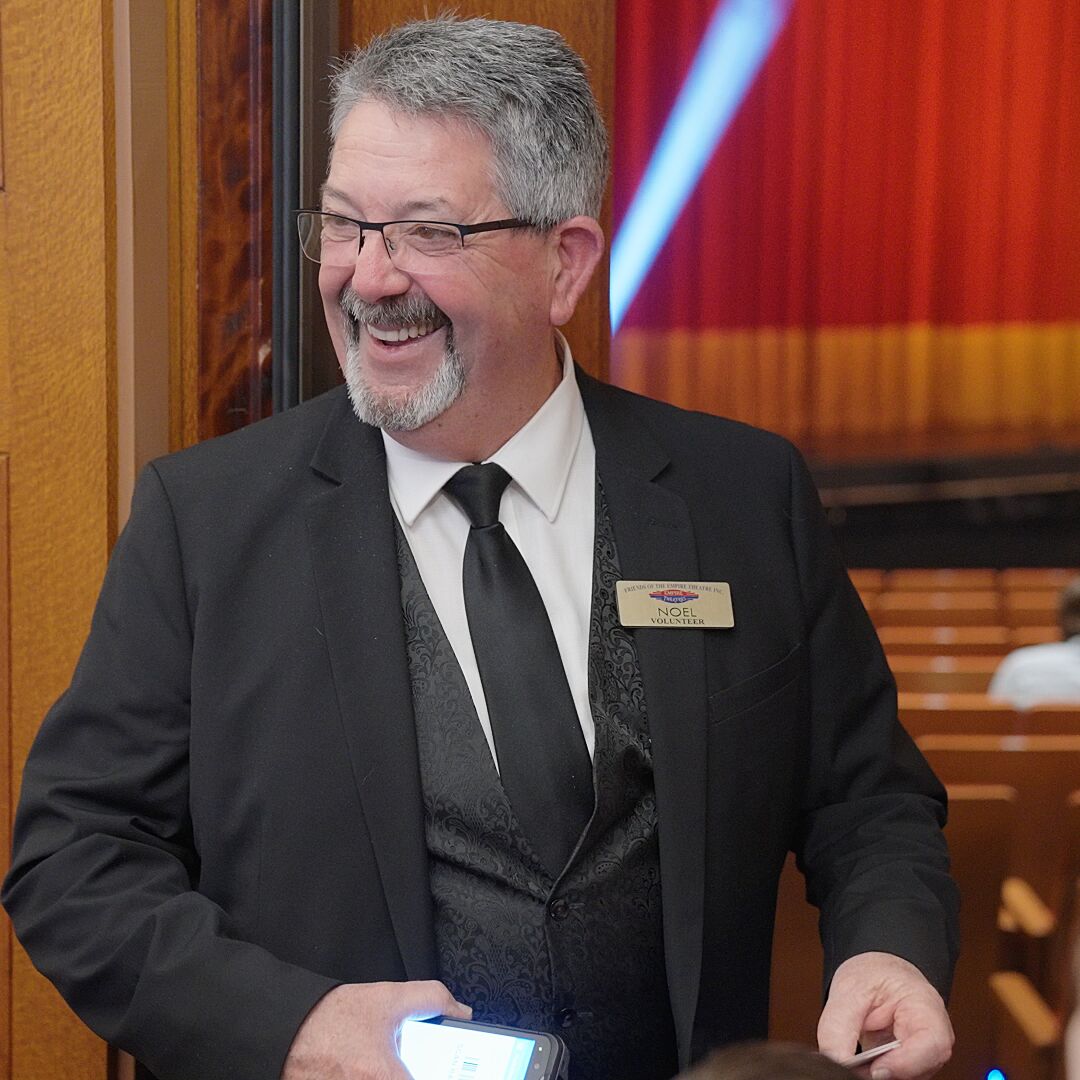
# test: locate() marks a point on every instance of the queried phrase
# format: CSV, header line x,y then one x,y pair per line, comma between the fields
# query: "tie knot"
x,y
478,490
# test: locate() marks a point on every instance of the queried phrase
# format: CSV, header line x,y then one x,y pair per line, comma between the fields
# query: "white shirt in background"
x,y
1039,674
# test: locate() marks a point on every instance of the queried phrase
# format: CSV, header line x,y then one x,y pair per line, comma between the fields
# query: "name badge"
x,y
693,604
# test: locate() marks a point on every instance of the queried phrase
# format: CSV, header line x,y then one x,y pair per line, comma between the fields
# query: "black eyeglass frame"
x,y
380,226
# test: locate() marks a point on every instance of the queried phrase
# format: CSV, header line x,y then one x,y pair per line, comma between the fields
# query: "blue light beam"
x,y
739,37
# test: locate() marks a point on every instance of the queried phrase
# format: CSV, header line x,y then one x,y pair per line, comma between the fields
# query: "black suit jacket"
x,y
221,819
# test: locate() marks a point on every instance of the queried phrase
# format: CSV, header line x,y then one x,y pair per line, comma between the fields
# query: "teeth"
x,y
402,333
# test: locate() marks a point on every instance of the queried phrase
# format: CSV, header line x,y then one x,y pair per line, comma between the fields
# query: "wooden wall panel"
x,y
235,218
5,750
590,29
221,215
59,432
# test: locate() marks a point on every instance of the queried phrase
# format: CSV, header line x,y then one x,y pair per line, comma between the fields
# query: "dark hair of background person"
x,y
1069,609
766,1061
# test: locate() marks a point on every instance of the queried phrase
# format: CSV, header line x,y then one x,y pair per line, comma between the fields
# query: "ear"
x,y
578,244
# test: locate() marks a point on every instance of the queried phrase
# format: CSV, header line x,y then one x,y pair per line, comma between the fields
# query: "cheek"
x,y
332,280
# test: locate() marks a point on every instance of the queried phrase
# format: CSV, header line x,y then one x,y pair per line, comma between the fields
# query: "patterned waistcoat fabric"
x,y
582,955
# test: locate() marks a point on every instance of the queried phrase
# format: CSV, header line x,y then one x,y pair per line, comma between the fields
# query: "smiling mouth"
x,y
394,335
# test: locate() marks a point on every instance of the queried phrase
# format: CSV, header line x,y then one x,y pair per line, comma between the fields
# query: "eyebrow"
x,y
327,191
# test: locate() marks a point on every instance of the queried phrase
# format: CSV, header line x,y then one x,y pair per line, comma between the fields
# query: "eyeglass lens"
x,y
336,241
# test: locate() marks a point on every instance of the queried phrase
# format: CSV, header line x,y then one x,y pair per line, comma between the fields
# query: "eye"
x,y
336,230
429,237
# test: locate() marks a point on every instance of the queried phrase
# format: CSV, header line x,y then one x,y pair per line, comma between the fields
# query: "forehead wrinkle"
x,y
328,190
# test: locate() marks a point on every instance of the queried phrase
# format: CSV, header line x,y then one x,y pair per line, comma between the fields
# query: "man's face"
x,y
472,318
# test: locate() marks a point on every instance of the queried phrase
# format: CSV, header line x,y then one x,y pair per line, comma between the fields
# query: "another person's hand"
x,y
352,1033
876,997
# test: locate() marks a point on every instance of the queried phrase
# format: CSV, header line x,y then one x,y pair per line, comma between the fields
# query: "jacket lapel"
x,y
350,526
655,541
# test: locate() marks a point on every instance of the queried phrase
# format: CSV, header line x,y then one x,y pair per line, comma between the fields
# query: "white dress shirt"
x,y
548,509
1039,674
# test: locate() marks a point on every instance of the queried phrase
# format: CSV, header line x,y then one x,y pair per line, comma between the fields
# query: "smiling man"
x,y
475,685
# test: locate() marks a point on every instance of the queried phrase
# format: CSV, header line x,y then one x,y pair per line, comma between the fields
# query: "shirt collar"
x,y
537,457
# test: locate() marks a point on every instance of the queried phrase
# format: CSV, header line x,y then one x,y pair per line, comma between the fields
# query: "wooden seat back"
x,y
1019,636
1043,770
977,811
956,714
1031,607
990,640
942,608
796,992
1036,577
935,579
943,674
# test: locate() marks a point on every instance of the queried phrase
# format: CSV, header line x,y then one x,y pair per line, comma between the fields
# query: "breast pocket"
x,y
758,745
779,680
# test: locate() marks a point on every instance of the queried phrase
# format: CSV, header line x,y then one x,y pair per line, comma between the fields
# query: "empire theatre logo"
x,y
673,605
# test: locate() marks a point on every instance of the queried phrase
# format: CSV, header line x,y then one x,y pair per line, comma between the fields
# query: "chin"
x,y
406,410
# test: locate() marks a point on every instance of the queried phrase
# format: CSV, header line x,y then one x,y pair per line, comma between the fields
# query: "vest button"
x,y
559,909
566,1017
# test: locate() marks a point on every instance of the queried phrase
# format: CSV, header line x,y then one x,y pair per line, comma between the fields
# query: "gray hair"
x,y
521,86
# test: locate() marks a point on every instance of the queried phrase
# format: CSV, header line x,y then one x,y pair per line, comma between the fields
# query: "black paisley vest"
x,y
581,955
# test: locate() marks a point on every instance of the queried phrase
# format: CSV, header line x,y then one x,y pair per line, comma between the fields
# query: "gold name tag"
x,y
694,604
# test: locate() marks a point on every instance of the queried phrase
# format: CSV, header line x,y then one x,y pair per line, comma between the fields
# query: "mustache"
x,y
400,311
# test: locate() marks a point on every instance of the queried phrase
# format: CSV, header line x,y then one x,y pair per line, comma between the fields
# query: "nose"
x,y
374,275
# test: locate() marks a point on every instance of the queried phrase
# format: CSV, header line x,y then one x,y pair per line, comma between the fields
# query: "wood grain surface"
x,y
234,232
5,752
590,29
59,432
182,60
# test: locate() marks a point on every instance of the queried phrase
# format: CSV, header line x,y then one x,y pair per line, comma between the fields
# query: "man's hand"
x,y
352,1033
875,997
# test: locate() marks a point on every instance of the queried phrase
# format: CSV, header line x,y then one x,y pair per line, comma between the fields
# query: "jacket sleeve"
x,y
870,844
103,885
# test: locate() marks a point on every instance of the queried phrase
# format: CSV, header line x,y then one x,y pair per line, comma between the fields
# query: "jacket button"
x,y
566,1017
559,909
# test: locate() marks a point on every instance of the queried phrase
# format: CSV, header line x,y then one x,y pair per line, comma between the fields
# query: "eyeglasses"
x,y
336,240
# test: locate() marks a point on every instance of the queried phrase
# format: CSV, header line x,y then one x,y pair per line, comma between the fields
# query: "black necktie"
x,y
543,761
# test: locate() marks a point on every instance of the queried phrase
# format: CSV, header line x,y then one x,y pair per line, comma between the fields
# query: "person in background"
x,y
475,683
759,1060
1049,673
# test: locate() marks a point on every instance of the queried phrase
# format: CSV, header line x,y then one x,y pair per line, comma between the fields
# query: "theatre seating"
x,y
1022,601
1039,895
796,992
978,714
1031,607
867,580
1033,635
1043,770
943,674
977,811
933,580
942,608
1029,1023
956,714
945,640
1036,577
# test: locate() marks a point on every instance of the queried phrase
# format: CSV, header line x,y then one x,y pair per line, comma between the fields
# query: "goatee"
x,y
412,410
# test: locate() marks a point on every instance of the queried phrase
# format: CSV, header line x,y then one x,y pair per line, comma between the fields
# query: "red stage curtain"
x,y
887,239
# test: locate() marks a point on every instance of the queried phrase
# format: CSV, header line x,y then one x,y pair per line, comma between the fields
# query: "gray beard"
x,y
422,405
